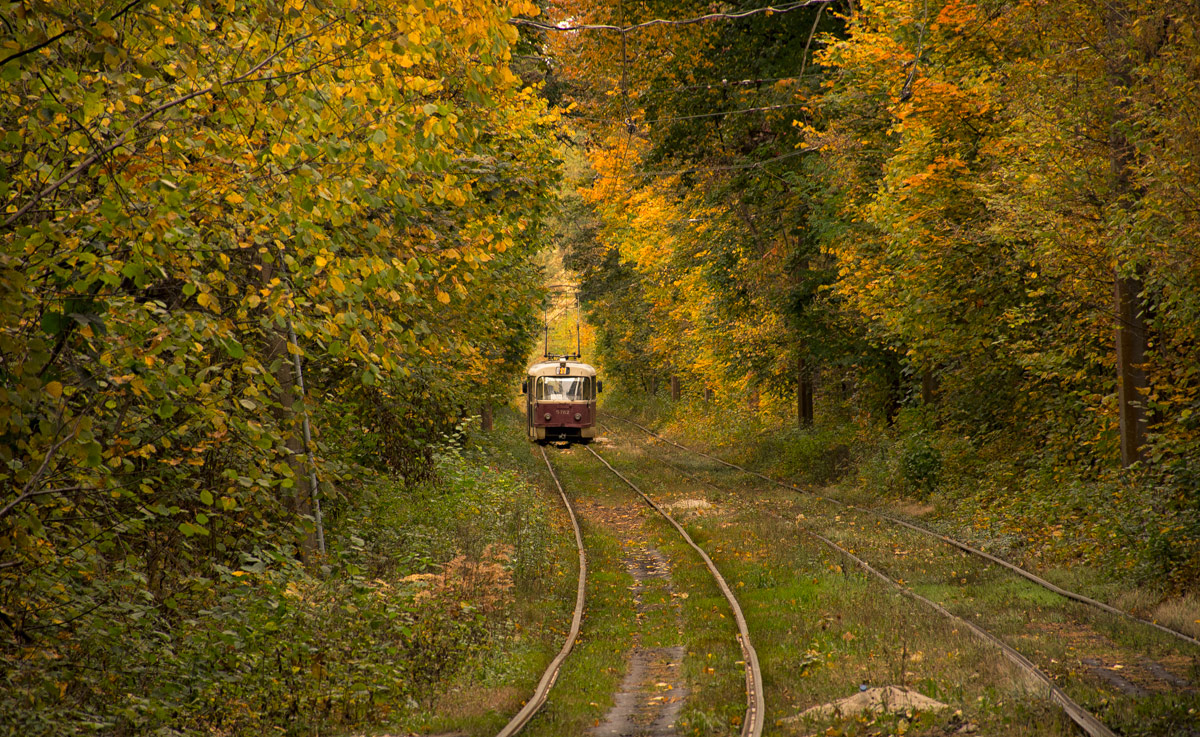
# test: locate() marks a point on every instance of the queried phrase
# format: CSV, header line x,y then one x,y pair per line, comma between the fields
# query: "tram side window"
x,y
565,389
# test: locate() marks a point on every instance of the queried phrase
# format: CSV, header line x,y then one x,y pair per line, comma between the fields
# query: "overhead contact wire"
x,y
775,9
702,169
716,114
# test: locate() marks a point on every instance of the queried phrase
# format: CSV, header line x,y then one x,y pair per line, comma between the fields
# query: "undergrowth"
x,y
415,585
996,490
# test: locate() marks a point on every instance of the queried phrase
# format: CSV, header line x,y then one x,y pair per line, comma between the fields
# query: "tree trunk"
x,y
804,394
1131,379
708,394
895,397
485,418
674,388
929,387
299,500
752,399
1130,340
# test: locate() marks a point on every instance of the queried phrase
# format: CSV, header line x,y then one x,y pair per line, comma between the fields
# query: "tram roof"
x,y
550,368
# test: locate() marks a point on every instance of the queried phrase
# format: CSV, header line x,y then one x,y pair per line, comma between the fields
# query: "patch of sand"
x,y
687,504
884,699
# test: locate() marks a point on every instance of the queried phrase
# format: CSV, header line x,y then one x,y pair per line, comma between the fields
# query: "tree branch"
x,y
67,32
120,141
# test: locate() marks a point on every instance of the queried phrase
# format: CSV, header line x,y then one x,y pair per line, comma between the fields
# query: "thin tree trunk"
x,y
804,394
675,388
1130,342
485,418
929,386
299,501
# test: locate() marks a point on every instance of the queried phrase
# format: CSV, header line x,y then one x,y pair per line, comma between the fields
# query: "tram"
x,y
560,400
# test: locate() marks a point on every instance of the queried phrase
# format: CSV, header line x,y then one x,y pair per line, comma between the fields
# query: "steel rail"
x,y
1082,717
535,703
752,724
1032,577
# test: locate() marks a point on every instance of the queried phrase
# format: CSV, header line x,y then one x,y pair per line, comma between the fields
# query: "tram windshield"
x,y
565,388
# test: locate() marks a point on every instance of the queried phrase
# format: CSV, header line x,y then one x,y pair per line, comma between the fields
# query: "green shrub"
x,y
269,646
920,464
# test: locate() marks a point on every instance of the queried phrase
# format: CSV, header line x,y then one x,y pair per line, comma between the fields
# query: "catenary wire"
x,y
775,9
702,169
738,111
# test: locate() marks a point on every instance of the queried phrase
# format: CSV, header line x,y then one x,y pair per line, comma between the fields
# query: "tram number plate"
x,y
564,370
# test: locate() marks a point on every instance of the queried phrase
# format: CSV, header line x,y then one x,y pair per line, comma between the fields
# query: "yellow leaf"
x,y
234,198
54,389
443,297
337,284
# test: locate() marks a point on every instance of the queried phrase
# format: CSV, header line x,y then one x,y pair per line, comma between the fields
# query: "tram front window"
x,y
564,389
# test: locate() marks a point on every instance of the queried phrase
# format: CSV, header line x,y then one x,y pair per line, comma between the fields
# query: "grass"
x,y
463,512
803,664
822,630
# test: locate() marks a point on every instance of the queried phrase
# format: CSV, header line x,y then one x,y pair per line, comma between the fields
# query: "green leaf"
x,y
54,323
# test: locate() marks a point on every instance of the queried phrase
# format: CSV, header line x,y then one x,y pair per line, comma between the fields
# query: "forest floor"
x,y
657,653
1136,679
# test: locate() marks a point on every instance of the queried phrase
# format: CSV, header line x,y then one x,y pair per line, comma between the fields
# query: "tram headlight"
x,y
578,417
547,415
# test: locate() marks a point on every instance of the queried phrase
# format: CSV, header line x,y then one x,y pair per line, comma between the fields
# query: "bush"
x,y
417,583
920,464
815,456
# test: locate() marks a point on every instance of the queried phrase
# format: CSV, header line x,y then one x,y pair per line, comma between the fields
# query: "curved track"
x,y
1087,721
527,712
1084,718
752,724
1034,578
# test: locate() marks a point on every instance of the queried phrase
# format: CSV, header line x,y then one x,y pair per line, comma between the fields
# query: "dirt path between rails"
x,y
652,693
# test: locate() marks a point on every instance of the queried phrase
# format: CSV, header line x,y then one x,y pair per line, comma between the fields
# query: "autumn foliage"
x,y
938,213
228,228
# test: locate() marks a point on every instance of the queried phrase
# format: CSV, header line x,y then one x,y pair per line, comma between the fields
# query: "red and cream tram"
x,y
560,400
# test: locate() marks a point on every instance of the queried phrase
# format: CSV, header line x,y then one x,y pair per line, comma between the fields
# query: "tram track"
x,y
1028,575
546,682
752,721
1084,719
